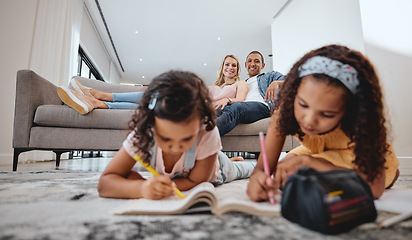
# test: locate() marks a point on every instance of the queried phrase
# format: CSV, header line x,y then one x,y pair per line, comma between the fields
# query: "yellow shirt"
x,y
337,148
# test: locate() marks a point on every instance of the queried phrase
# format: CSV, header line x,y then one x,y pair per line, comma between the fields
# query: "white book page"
x,y
232,196
171,205
395,200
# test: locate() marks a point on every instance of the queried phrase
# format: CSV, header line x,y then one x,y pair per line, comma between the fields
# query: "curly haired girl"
x,y
173,131
332,102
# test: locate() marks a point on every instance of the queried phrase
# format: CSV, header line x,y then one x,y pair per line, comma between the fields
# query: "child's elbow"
x,y
378,193
377,188
101,189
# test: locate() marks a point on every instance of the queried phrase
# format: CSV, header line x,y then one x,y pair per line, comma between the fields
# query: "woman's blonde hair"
x,y
220,81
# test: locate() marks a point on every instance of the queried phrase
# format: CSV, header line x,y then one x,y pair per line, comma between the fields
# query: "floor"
x,y
99,164
96,164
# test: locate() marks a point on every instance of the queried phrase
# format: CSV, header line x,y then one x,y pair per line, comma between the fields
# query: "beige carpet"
x,y
65,205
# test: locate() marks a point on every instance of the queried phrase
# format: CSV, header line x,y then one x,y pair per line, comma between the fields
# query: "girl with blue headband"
x,y
331,101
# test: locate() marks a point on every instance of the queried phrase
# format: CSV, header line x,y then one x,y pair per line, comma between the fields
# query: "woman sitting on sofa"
x,y
228,88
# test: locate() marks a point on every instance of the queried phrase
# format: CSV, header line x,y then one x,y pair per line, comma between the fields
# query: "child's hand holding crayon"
x,y
158,187
163,180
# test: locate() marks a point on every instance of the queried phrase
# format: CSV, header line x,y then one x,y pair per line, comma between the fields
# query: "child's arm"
x,y
260,186
291,163
378,184
201,172
118,181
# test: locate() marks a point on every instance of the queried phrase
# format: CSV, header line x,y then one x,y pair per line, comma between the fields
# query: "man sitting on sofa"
x,y
260,98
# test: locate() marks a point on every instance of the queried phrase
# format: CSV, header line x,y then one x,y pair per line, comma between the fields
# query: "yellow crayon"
x,y
335,193
155,173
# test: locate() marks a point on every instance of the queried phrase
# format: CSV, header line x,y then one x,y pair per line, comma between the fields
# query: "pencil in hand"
x,y
155,173
265,160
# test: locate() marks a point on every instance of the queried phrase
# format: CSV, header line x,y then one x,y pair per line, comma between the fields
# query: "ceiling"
x,y
151,37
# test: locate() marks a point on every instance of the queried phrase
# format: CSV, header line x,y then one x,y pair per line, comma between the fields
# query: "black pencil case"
x,y
329,202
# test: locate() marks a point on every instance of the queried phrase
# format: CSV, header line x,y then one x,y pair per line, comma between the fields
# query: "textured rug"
x,y
65,205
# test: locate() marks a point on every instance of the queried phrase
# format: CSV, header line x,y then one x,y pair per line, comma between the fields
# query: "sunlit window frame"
x,y
93,73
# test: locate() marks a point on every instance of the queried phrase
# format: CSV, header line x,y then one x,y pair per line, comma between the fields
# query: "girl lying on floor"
x,y
173,131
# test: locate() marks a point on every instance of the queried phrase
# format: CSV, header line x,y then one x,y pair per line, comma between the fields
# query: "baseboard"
x,y
6,159
31,156
405,161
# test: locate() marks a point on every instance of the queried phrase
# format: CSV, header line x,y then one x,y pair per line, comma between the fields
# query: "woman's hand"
x,y
221,103
157,187
260,187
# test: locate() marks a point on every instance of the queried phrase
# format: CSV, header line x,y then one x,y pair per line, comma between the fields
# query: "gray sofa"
x,y
43,122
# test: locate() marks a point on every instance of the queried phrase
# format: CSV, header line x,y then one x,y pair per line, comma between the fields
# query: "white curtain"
x,y
55,47
56,40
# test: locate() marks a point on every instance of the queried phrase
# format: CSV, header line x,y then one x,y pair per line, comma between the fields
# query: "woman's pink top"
x,y
228,91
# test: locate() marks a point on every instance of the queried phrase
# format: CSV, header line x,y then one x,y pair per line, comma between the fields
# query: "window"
x,y
86,68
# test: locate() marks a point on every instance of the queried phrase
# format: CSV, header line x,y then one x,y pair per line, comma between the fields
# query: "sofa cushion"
x,y
250,129
77,138
64,116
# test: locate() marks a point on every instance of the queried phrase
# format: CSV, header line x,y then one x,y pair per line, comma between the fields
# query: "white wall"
x,y
114,74
381,29
17,23
16,27
305,25
387,28
94,48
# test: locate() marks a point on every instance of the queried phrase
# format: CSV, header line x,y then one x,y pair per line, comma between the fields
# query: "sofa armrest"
x,y
31,91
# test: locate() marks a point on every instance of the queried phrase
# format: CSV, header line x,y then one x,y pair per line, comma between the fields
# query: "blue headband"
x,y
333,68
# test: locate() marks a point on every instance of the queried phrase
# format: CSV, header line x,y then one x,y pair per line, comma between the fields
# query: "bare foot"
x,y
237,159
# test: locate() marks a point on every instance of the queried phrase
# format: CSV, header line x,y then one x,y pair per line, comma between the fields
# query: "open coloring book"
x,y
230,197
395,201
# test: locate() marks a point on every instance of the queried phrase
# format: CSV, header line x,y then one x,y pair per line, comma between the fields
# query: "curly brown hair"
x,y
178,96
364,120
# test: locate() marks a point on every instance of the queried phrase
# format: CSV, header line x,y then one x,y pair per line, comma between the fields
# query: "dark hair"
x,y
364,120
178,96
257,52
